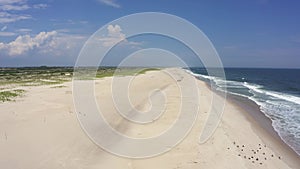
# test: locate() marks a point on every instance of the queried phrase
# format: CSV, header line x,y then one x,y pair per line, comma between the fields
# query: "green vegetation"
x,y
61,86
148,69
89,73
34,76
122,72
10,95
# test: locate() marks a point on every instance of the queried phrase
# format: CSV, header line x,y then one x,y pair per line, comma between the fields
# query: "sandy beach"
x,y
41,130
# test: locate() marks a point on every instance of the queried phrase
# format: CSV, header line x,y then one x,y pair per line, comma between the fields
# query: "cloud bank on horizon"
x,y
248,34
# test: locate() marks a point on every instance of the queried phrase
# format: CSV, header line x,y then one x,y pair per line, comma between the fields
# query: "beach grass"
x,y
10,95
102,72
123,72
60,86
12,78
36,76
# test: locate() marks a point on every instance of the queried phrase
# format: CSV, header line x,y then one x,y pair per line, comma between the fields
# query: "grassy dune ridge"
x,y
12,78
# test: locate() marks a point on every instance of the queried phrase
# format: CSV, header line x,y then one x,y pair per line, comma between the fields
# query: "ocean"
x,y
275,91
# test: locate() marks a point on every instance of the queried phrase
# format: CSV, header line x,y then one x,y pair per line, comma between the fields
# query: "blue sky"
x,y
246,33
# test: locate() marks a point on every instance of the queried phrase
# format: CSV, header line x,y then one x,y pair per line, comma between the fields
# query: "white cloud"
x,y
24,30
67,23
3,2
63,30
115,31
63,45
8,10
114,36
4,28
14,7
111,3
24,43
40,6
6,17
59,43
19,5
7,34
50,43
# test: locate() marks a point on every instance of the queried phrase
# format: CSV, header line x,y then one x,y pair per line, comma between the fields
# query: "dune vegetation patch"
x,y
122,72
10,95
12,78
35,76
87,73
60,86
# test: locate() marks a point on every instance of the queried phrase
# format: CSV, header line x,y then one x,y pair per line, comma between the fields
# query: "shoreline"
x,y
252,108
254,112
261,124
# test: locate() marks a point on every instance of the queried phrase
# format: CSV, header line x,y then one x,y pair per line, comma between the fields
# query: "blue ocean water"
x,y
275,91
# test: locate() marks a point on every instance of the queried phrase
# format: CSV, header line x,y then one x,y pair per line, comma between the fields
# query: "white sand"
x,y
41,130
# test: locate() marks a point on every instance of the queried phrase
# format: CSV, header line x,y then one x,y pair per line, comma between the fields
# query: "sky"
x,y
245,33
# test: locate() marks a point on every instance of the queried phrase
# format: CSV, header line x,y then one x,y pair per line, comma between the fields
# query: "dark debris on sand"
x,y
259,154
